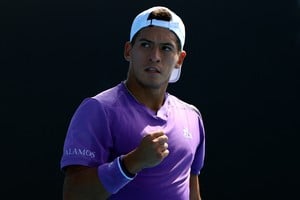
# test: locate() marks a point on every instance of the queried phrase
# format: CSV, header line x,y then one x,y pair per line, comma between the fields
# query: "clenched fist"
x,y
151,151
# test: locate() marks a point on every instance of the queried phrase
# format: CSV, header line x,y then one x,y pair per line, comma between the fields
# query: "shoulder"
x,y
111,97
181,104
105,102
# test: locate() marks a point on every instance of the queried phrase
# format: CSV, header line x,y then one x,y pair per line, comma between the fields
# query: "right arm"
x,y
82,183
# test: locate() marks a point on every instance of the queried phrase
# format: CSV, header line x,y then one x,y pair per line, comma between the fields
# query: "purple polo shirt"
x,y
113,123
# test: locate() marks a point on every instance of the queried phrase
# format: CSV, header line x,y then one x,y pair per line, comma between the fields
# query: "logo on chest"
x,y
187,134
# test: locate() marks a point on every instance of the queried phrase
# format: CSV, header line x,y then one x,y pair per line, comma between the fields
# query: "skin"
x,y
151,60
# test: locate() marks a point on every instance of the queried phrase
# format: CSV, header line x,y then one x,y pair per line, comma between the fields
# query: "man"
x,y
135,140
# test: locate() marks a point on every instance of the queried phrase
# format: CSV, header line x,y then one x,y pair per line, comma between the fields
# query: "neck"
x,y
151,98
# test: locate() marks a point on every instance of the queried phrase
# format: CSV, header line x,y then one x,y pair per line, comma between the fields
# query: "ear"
x,y
181,57
127,51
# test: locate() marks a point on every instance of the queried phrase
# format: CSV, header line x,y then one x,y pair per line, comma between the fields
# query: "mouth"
x,y
152,70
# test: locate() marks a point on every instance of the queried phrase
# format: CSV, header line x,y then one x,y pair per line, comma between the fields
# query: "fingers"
x,y
153,148
159,140
164,150
165,153
157,134
159,137
161,145
166,145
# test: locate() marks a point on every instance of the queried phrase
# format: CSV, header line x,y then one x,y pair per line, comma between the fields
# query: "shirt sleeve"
x,y
198,162
88,139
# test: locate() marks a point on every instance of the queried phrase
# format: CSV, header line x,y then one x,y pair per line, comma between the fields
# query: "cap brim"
x,y
175,75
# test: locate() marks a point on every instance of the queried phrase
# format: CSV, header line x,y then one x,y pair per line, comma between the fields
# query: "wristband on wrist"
x,y
123,168
112,176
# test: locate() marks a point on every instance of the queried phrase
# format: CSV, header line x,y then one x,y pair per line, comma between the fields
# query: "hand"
x,y
152,150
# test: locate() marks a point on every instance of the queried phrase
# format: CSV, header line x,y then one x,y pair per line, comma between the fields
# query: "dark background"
x,y
241,71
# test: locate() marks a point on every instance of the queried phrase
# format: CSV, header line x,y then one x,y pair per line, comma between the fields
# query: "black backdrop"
x,y
240,71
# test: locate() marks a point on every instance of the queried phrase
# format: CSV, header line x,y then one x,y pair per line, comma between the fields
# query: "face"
x,y
153,56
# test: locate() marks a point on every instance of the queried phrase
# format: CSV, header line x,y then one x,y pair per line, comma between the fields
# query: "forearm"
x,y
194,188
88,183
82,183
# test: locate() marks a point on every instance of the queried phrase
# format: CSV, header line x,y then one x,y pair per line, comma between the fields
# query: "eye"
x,y
145,44
167,48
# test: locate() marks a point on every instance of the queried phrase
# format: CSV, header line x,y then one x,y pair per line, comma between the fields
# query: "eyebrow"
x,y
149,41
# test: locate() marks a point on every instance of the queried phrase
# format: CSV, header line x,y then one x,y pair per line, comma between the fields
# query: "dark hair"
x,y
159,14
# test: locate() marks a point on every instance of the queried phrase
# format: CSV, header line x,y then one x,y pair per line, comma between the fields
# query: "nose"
x,y
155,55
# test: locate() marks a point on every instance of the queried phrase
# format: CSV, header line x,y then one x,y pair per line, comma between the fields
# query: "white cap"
x,y
176,25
